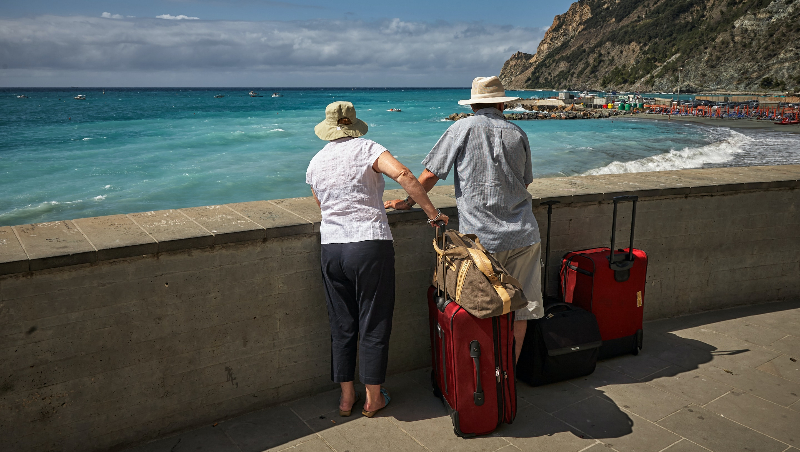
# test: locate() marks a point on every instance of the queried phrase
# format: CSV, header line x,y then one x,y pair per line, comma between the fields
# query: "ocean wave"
x,y
99,198
517,108
714,153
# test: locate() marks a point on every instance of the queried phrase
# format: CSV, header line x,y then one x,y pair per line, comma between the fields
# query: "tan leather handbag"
x,y
470,276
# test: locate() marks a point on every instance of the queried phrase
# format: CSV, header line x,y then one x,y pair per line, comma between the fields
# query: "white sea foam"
x,y
87,139
277,130
517,108
722,150
107,187
100,198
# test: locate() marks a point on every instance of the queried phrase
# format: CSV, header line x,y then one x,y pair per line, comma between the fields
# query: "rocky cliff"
x,y
657,45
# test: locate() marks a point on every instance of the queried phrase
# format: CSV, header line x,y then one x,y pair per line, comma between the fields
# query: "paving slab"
x,y
685,353
227,225
552,397
693,385
760,415
55,244
366,434
786,367
685,445
311,407
276,221
747,330
761,384
602,377
533,429
639,366
311,443
173,230
13,258
788,345
645,400
601,419
211,439
730,352
598,447
116,237
717,433
265,429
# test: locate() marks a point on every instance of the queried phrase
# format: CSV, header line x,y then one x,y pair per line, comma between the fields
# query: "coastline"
x,y
717,122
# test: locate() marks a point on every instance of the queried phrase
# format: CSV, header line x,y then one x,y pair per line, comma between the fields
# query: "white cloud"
x,y
180,17
298,53
111,16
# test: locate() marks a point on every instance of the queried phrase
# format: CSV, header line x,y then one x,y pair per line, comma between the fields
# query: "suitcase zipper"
x,y
497,365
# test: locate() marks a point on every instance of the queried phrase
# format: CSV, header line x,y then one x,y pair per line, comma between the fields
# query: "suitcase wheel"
x,y
638,344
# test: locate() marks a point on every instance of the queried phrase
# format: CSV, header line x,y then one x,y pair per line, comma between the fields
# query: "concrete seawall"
x,y
115,330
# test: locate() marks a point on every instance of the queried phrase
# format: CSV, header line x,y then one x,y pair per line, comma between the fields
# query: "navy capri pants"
x,y
359,290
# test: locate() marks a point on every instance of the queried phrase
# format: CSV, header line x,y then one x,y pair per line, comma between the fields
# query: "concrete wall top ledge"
x,y
71,242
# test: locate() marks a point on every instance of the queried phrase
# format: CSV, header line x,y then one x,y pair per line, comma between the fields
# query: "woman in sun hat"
x,y
357,256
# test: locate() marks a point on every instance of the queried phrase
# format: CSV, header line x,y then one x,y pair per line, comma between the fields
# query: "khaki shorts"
x,y
525,265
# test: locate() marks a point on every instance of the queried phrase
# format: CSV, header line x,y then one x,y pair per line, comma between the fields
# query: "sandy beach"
x,y
719,122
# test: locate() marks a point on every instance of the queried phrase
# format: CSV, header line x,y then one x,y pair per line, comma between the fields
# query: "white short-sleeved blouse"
x,y
350,191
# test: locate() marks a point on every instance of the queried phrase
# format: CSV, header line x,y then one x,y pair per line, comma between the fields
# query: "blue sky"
x,y
264,43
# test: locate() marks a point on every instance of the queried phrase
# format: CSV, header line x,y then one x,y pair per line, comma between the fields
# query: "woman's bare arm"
x,y
388,165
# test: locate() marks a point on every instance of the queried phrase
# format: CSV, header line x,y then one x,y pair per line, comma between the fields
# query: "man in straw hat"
x,y
492,161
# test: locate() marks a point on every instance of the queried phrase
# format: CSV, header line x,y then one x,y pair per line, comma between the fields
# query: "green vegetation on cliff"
x,y
642,45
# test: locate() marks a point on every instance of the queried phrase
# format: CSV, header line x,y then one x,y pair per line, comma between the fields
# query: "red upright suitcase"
x,y
473,366
610,287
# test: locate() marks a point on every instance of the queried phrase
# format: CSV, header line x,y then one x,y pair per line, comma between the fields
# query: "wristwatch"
x,y
409,202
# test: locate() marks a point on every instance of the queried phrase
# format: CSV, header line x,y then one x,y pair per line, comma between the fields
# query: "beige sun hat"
x,y
487,90
332,129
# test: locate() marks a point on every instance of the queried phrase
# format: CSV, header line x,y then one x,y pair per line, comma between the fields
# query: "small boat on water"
x,y
787,121
219,96
80,97
277,95
22,96
254,94
394,109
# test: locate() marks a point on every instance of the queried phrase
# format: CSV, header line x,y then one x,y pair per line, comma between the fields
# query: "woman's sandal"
x,y
386,397
344,413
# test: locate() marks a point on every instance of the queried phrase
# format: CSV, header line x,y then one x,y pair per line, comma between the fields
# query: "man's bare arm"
x,y
427,179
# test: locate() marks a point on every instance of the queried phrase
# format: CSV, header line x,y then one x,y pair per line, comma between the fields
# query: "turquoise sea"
x,y
133,150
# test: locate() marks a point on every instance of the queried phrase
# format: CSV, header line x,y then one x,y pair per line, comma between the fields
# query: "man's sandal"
x,y
386,397
344,413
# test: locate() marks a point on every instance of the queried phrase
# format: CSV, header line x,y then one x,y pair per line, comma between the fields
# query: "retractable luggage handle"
x,y
622,267
547,247
441,293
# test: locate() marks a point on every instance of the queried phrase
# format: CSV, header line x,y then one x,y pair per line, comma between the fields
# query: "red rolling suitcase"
x,y
473,365
611,287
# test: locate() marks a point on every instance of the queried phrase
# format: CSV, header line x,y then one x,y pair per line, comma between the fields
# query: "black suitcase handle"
x,y
475,353
622,267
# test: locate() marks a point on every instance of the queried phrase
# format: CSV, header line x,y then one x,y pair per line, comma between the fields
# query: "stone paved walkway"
x,y
722,381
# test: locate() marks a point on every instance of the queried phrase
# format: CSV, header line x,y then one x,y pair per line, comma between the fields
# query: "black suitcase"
x,y
562,345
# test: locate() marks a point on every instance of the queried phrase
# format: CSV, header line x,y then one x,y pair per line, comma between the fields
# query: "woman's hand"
x,y
396,204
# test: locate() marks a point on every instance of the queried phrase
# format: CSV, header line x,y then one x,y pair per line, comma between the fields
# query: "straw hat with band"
x,y
340,121
487,90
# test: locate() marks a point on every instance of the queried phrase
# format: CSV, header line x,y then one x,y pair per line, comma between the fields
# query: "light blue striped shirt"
x,y
492,159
